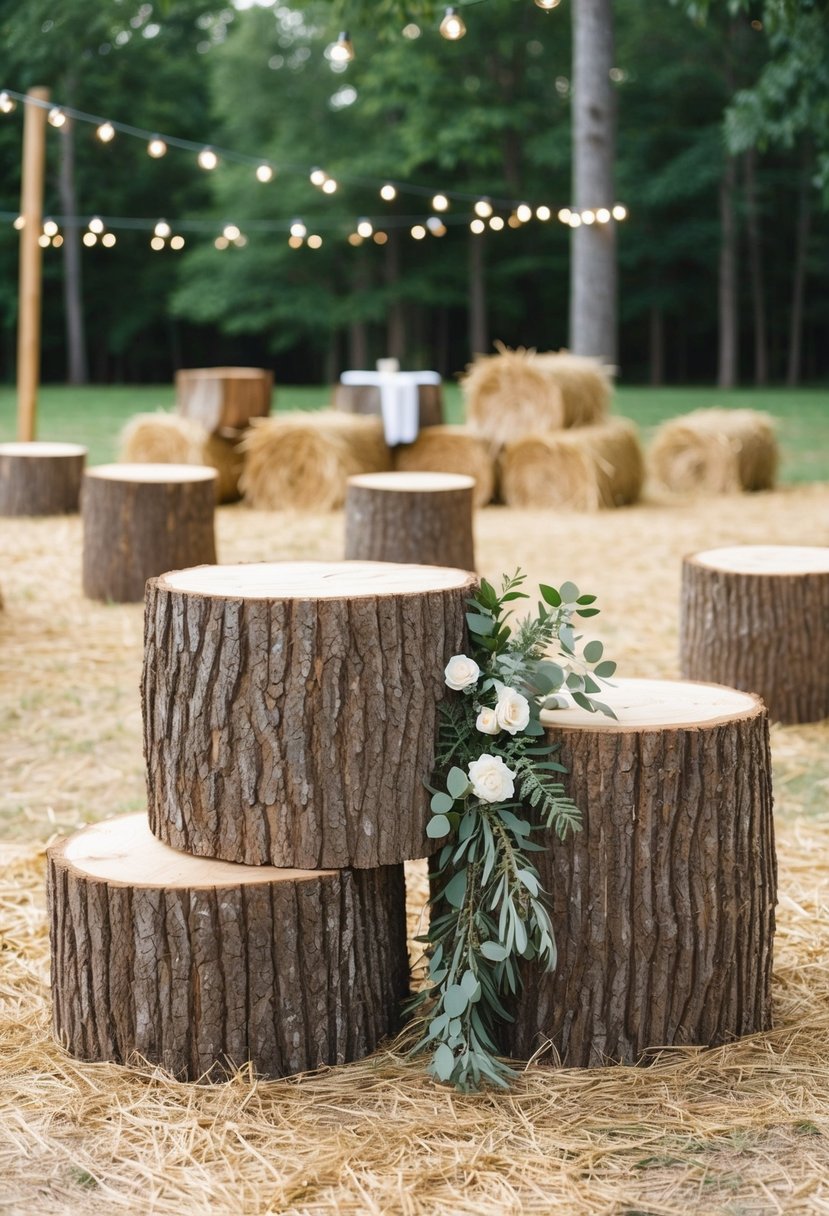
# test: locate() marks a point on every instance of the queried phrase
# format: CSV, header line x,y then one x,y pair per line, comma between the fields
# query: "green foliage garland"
x,y
499,785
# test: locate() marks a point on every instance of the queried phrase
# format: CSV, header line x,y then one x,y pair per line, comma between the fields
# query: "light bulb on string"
x,y
452,26
7,103
207,159
50,228
483,208
264,173
239,241
314,241
436,226
602,215
342,50
156,148
221,242
355,239
89,239
329,186
157,243
43,240
496,223
106,132
477,226
543,213
365,228
317,177
298,229
619,212
57,241
564,215
96,225
547,5
588,217
295,242
56,117
177,242
574,220
388,192
440,203
380,238
513,221
523,213
418,232
19,223
231,232
162,229
108,240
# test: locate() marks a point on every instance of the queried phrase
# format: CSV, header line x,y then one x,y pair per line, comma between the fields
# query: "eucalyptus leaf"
x,y
593,651
443,1062
455,889
493,951
455,1000
441,803
457,782
437,827
569,593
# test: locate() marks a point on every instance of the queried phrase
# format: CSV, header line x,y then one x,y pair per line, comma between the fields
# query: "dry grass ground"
x,y
742,1129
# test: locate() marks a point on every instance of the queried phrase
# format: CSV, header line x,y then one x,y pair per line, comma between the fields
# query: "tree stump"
x,y
140,520
203,966
223,398
757,617
663,904
365,399
40,478
290,709
410,517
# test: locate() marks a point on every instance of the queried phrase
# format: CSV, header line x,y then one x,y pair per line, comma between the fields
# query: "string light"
x,y
564,215
264,173
483,208
452,26
523,213
602,215
341,51
19,223
314,241
156,148
57,240
56,117
106,132
355,239
177,242
96,226
317,177
298,229
588,217
43,240
574,220
7,104
230,231
619,212
388,192
496,223
157,243
90,239
513,221
207,159
543,213
418,232
436,226
329,186
380,238
365,228
440,203
548,5
295,242
108,239
221,242
477,226
50,228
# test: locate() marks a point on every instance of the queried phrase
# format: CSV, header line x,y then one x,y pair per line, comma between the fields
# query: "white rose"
x,y
512,711
491,780
461,672
487,722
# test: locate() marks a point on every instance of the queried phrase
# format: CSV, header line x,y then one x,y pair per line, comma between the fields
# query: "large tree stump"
x,y
40,478
757,617
365,399
410,517
290,709
203,966
663,904
140,520
223,398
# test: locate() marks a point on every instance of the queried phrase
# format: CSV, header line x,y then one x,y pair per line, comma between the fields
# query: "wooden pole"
x,y
31,209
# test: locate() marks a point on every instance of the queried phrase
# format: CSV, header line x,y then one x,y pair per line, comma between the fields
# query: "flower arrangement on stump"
x,y
496,784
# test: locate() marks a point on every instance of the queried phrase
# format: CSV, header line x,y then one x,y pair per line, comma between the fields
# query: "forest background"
x,y
721,163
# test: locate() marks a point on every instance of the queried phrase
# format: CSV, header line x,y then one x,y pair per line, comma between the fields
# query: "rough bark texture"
x,y
286,975
365,399
593,303
428,528
763,633
664,901
135,530
222,397
40,485
295,732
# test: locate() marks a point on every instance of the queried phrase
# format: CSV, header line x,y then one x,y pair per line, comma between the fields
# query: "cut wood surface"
x,y
757,617
204,966
220,397
141,520
290,709
161,438
424,518
40,478
663,902
365,399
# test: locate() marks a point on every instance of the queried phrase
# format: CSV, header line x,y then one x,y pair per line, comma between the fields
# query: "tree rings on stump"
x,y
40,478
290,709
410,517
757,617
140,520
663,903
203,966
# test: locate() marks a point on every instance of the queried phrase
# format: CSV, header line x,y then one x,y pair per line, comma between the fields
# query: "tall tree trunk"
x,y
755,265
657,345
77,371
728,328
801,245
593,304
395,323
478,328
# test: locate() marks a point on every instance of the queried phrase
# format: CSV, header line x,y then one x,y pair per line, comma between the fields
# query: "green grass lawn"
x,y
94,416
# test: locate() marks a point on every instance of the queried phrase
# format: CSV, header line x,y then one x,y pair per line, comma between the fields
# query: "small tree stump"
x,y
365,399
663,903
224,397
410,517
140,520
290,709
757,617
40,478
203,966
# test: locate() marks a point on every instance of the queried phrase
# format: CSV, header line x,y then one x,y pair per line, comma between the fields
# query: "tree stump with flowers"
x,y
756,617
40,478
204,966
424,518
663,902
291,709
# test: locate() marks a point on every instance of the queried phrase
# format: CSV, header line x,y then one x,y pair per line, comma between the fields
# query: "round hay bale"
x,y
304,460
509,395
579,470
585,385
451,449
715,451
170,439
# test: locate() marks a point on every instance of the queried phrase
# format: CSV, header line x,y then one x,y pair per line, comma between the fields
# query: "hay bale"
x,y
579,470
715,451
451,449
304,460
170,439
520,392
